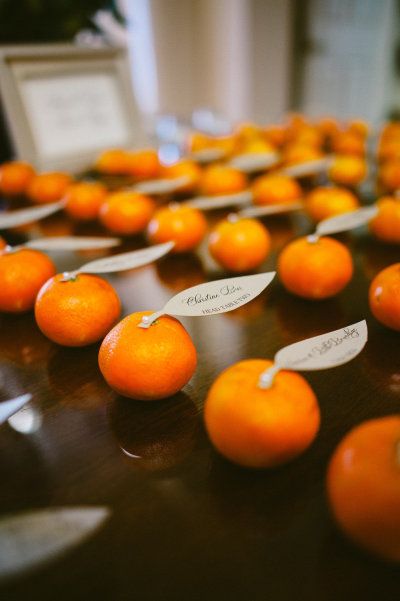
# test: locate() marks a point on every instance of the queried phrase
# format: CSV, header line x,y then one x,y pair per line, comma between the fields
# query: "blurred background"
x,y
211,63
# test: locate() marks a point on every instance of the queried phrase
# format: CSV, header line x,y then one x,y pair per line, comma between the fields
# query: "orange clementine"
x,y
363,485
307,135
183,168
315,269
84,199
275,189
221,179
199,141
389,149
76,311
48,187
22,273
3,243
15,177
386,225
275,134
349,142
324,202
348,170
359,127
389,175
143,164
328,126
147,364
384,296
256,146
112,162
185,226
239,244
126,213
260,428
301,153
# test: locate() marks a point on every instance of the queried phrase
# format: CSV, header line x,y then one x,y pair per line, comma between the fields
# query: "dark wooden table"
x,y
185,523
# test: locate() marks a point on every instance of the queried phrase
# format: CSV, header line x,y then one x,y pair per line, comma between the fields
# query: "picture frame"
x,y
63,104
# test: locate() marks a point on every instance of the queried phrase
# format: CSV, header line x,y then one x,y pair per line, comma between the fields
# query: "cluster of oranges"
x,y
81,309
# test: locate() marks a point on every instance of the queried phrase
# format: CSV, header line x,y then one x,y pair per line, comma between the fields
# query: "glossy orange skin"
x,y
348,170
259,428
324,202
147,364
220,179
389,150
363,485
185,226
126,213
15,177
112,162
389,175
84,199
48,187
358,126
349,142
143,164
328,126
76,312
22,274
384,296
183,168
240,245
315,270
275,189
386,225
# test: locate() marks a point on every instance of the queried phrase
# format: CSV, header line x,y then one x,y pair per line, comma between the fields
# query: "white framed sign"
x,y
65,103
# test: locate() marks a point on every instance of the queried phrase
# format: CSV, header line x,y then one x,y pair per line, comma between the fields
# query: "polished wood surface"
x,y
185,523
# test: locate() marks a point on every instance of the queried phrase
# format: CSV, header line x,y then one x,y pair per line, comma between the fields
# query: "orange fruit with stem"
x,y
275,189
76,310
48,187
221,179
358,126
348,170
349,142
275,134
143,164
22,273
301,153
126,213
328,126
256,427
315,268
239,244
181,224
15,177
112,161
327,201
384,296
183,168
84,199
363,486
147,364
386,225
389,175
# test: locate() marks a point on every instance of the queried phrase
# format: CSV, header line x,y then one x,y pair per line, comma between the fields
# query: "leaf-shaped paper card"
x,y
129,260
346,221
328,350
308,168
207,155
72,243
286,207
250,162
162,186
28,540
212,298
8,408
218,202
23,216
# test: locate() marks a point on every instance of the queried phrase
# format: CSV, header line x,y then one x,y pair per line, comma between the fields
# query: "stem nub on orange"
x,y
22,274
260,428
275,189
183,225
76,311
386,225
239,244
48,187
221,179
324,202
147,364
15,177
363,485
384,296
315,269
83,200
126,213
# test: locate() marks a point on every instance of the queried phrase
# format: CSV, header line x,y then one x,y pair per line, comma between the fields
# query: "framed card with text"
x,y
63,104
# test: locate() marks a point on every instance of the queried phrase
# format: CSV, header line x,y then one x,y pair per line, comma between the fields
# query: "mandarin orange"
x,y
48,187
126,213
183,225
348,170
83,200
221,179
147,364
15,177
143,164
384,296
386,225
327,201
275,189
